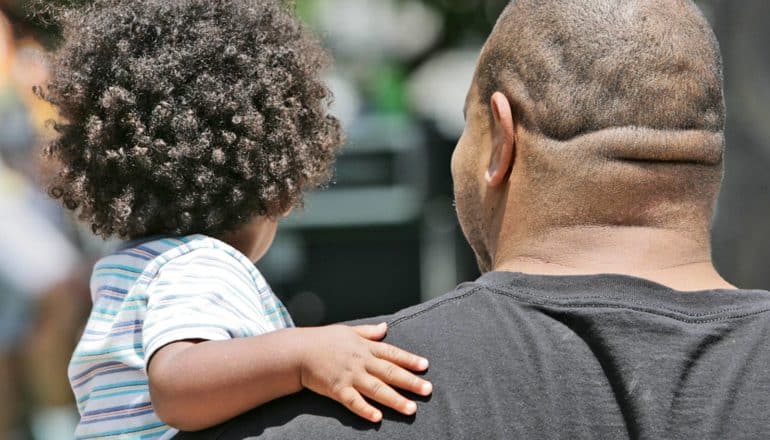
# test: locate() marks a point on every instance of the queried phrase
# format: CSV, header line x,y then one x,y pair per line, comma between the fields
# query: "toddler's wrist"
x,y
302,338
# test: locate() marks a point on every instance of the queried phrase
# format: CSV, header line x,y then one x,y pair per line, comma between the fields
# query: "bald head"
x,y
592,113
587,120
574,67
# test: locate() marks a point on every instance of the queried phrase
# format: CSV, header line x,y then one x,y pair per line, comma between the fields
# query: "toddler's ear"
x,y
287,213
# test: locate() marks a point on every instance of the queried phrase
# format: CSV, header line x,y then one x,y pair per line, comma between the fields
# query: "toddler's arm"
x,y
195,385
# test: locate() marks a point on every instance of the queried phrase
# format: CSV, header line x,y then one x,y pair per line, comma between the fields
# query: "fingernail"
x,y
377,417
411,407
423,364
427,388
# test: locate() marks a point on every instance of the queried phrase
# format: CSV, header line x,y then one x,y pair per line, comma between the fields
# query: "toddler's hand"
x,y
346,363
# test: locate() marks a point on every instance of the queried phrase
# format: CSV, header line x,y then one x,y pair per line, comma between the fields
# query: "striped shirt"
x,y
145,297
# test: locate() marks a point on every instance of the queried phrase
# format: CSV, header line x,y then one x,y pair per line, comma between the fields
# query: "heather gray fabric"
x,y
532,357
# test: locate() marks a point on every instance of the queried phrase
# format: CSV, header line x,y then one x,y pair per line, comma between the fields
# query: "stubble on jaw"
x,y
470,215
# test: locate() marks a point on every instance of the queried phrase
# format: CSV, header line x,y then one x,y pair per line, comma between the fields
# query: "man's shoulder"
x,y
447,304
518,356
439,329
472,309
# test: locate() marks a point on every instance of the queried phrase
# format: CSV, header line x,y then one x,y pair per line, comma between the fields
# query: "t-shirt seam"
x,y
203,244
549,301
434,306
661,307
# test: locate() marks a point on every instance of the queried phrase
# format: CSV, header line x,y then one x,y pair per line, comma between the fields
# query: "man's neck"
x,y
664,256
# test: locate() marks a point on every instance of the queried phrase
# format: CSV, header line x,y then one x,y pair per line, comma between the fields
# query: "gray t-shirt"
x,y
532,357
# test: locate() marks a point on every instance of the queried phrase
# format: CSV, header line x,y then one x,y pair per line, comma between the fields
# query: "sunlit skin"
x,y
198,384
253,239
507,232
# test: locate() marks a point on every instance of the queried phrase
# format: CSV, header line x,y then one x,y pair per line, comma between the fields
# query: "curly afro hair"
x,y
187,116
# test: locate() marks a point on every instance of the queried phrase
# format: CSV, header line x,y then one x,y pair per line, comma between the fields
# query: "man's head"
x,y
601,113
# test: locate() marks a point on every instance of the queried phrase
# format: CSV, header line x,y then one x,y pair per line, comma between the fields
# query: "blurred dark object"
x,y
355,249
742,227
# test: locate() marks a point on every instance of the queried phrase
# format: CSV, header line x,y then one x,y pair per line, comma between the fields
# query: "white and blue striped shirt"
x,y
148,296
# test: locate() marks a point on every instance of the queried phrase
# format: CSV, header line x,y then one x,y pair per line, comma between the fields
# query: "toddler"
x,y
188,128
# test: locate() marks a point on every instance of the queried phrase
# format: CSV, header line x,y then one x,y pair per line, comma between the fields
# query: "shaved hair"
x,y
623,105
584,66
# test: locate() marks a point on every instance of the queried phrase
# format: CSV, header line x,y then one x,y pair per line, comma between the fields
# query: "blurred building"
x,y
387,225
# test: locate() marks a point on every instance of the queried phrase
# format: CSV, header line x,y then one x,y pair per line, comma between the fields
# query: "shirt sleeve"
x,y
205,294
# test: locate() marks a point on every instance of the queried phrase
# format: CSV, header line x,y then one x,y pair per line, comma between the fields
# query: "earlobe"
x,y
503,140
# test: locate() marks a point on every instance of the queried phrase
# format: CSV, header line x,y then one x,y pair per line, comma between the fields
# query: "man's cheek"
x,y
453,165
456,162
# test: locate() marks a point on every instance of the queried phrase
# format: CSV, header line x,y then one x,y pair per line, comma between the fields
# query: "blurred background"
x,y
384,236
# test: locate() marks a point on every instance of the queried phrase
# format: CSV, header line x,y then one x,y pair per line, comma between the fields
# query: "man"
x,y
593,147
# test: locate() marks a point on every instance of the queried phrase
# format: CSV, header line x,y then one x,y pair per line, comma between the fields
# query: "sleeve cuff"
x,y
210,334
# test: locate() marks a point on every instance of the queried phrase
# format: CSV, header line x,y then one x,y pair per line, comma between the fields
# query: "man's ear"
x,y
503,140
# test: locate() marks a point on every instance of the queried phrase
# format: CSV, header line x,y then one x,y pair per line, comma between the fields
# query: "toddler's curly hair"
x,y
187,116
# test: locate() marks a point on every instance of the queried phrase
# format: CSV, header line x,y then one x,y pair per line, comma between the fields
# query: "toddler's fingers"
x,y
394,375
381,392
353,401
372,332
399,357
